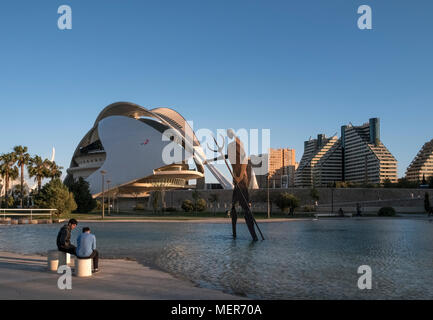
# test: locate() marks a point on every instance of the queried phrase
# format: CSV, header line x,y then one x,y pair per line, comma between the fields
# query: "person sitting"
x,y
64,237
86,248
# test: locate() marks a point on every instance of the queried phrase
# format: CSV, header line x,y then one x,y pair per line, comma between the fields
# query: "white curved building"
x,y
140,150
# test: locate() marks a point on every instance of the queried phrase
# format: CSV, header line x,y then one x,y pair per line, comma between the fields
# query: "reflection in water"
x,y
299,260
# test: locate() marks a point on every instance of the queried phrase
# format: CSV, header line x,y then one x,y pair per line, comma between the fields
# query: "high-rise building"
x,y
365,158
321,162
422,166
358,156
281,169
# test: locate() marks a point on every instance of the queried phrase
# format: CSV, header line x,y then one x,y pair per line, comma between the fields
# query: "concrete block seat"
x,y
64,258
83,267
53,260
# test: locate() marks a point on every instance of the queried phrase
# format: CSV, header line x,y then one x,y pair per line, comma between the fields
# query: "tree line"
x,y
13,164
74,195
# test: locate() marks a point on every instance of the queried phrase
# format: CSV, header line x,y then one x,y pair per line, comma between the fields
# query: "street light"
x,y
269,206
103,199
108,195
332,193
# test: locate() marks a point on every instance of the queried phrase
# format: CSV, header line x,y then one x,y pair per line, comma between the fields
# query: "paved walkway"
x,y
27,277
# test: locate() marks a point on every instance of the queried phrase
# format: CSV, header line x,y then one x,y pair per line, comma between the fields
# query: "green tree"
x,y
405,183
82,196
386,212
387,183
195,196
287,201
9,171
38,169
200,205
314,193
187,206
54,171
55,195
23,159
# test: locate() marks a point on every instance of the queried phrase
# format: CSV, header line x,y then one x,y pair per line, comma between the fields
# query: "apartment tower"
x,y
422,166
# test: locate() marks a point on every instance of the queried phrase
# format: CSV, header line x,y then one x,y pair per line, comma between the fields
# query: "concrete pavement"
x,y
27,277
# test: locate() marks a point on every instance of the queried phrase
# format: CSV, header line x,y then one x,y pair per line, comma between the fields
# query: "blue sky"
x,y
297,67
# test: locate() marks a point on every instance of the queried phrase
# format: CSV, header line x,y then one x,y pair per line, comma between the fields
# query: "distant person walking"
x,y
64,237
86,248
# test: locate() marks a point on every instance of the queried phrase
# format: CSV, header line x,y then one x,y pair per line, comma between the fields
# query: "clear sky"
x,y
297,67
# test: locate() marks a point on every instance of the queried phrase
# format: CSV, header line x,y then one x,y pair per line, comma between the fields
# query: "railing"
x,y
37,212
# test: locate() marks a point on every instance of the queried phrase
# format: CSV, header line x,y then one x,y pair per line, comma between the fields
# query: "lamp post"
x,y
269,206
108,195
103,199
332,193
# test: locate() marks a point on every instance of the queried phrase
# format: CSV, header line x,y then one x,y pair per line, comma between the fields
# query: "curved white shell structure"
x,y
139,150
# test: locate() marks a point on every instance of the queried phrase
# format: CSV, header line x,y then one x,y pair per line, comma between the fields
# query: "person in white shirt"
x,y
86,248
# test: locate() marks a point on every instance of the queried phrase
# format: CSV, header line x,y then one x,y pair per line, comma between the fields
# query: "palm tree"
x,y
38,168
22,160
8,171
54,171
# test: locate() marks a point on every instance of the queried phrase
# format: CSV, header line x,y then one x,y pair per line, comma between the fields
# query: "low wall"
x,y
409,200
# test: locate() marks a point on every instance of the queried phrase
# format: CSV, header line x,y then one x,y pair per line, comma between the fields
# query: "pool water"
x,y
305,259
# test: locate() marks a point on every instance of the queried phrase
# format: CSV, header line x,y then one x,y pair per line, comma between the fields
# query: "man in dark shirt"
x,y
64,237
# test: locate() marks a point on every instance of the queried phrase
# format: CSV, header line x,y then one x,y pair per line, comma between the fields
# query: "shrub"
x,y
386,212
308,208
170,209
139,206
10,202
200,205
83,198
187,206
287,201
55,195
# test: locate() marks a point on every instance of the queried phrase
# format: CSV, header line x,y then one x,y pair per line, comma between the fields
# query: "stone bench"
x,y
53,260
64,258
56,258
83,267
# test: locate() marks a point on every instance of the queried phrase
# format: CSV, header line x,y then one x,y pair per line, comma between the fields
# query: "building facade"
x,y
128,152
358,156
422,165
281,167
320,163
365,158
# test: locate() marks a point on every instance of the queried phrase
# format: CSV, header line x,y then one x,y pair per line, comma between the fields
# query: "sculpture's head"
x,y
230,133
